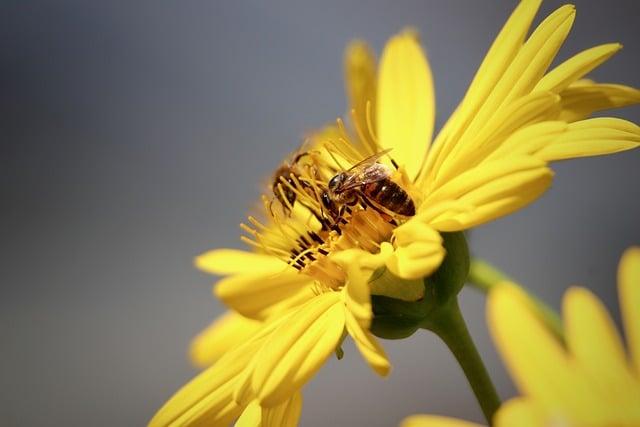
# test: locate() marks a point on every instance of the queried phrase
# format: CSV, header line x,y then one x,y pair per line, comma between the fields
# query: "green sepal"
x,y
397,319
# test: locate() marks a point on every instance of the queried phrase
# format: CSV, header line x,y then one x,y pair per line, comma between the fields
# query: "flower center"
x,y
302,227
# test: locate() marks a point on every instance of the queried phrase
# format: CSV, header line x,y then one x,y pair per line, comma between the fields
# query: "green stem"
x,y
450,326
485,277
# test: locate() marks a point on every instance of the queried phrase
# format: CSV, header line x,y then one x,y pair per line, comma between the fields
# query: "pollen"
x,y
303,233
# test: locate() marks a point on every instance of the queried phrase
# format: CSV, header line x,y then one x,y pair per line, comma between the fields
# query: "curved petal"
x,y
406,102
258,295
593,137
231,261
557,140
434,421
286,414
523,412
535,359
208,399
521,113
523,66
585,97
209,396
594,343
360,266
360,85
251,416
629,294
298,349
419,251
576,67
495,188
226,332
368,345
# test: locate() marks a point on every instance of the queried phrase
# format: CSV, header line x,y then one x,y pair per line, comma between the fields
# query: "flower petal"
x,y
495,188
360,81
258,295
593,341
368,345
584,98
435,421
516,79
521,412
629,294
419,251
576,67
554,140
286,414
226,332
298,349
502,52
360,266
209,396
251,416
592,137
406,102
521,113
536,361
231,261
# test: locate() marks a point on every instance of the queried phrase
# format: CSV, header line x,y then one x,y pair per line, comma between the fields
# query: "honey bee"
x,y
368,182
287,177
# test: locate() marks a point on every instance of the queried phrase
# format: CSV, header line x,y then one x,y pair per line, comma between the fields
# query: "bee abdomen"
x,y
390,195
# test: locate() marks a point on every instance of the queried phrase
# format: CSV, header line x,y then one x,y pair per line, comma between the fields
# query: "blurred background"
x,y
135,136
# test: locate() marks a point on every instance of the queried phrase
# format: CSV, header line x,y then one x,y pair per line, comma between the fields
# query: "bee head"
x,y
336,182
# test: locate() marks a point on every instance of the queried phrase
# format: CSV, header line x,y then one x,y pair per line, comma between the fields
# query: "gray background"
x,y
134,136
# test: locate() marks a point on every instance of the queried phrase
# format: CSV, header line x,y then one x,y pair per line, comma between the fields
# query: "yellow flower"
x,y
223,334
590,381
489,160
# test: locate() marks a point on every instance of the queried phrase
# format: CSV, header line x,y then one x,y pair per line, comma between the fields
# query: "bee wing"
x,y
371,173
362,165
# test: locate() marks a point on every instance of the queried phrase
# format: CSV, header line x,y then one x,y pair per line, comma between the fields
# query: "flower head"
x,y
588,381
318,254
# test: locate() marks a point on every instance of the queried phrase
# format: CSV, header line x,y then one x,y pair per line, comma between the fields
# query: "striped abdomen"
x,y
390,195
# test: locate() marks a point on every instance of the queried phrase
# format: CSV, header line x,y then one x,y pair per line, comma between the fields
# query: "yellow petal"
x,y
360,266
584,98
556,140
209,396
406,102
230,261
518,80
368,345
591,137
594,343
360,82
251,416
497,60
523,412
495,188
519,114
286,414
258,295
530,139
226,332
298,349
576,67
419,251
434,421
629,293
536,361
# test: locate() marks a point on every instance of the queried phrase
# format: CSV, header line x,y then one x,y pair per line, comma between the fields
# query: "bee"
x,y
287,177
368,182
